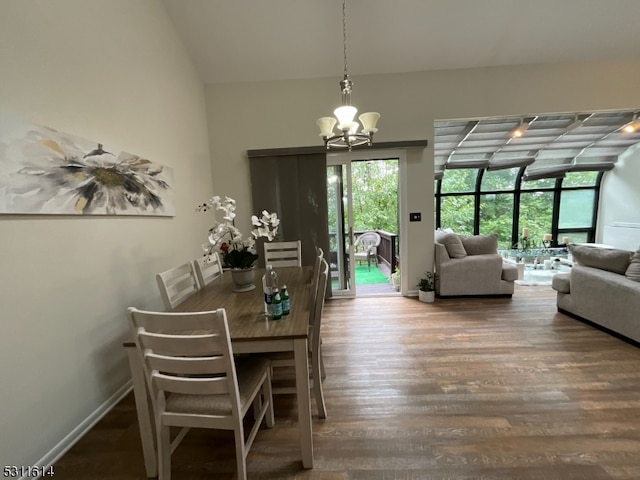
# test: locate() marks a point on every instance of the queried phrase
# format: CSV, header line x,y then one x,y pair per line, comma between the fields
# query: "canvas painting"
x,y
44,171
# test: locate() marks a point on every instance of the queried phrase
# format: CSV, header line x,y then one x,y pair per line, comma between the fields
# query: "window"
x,y
496,216
576,209
536,209
459,180
496,180
457,213
506,205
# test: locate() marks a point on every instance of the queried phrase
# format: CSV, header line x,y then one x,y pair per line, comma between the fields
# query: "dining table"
x,y
251,332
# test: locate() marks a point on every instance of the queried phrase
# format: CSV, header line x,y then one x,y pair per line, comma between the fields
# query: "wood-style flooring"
x,y
473,388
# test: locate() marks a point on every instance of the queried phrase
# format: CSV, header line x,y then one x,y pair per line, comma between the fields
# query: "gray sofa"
x,y
471,266
603,288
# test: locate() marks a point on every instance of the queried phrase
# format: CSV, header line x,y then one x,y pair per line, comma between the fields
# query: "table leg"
x,y
143,408
300,350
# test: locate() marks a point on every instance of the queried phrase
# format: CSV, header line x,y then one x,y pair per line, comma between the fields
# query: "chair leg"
x,y
164,453
323,373
268,397
241,453
317,386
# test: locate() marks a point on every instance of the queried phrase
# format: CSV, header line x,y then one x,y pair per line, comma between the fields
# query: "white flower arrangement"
x,y
236,251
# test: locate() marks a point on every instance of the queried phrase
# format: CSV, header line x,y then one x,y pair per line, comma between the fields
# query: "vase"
x,y
427,297
243,279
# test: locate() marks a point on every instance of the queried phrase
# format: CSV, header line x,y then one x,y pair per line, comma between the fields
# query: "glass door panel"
x,y
340,229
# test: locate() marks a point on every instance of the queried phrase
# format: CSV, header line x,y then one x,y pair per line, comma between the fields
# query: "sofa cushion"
x,y
633,270
609,259
561,282
480,244
452,243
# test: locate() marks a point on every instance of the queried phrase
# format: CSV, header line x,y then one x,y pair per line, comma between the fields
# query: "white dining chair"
x,y
195,382
208,269
177,284
282,363
283,254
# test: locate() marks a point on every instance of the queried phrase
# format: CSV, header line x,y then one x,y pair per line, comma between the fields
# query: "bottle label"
x,y
268,305
276,306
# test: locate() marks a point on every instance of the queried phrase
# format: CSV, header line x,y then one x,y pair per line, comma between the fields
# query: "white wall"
x,y
620,198
282,114
113,71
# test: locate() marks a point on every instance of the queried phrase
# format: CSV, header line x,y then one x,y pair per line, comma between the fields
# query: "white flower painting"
x,y
44,171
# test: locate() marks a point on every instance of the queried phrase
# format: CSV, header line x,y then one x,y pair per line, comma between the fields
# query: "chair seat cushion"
x,y
249,371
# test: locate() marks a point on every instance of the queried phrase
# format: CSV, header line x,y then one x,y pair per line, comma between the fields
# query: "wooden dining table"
x,y
251,332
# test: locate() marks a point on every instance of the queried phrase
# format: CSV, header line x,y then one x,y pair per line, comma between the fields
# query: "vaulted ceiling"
x,y
253,40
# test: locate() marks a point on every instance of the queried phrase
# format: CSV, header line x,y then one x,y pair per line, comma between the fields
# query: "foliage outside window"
x,y
375,195
499,180
496,216
457,214
459,180
536,210
580,179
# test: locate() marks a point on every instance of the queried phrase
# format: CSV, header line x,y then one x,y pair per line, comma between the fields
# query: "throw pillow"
x,y
633,270
452,243
480,244
610,259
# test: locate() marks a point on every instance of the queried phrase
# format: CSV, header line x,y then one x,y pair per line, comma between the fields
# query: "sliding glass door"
x,y
340,216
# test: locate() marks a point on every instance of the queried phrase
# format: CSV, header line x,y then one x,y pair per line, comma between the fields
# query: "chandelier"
x,y
348,135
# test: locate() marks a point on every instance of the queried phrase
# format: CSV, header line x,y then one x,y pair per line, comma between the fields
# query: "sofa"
x,y
471,265
603,287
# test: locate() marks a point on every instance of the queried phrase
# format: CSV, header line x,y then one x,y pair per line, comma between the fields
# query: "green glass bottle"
x,y
286,301
276,307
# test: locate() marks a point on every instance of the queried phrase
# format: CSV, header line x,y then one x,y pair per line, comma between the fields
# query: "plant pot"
x,y
427,297
243,279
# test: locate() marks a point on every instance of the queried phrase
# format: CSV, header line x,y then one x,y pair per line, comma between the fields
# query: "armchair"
x,y
366,248
471,266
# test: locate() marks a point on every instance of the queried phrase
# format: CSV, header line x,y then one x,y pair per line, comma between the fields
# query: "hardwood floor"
x,y
476,388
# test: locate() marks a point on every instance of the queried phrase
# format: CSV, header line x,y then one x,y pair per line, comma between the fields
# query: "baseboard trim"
x,y
87,424
613,333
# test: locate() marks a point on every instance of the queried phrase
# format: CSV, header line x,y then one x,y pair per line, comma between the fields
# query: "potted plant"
x,y
238,253
426,285
395,279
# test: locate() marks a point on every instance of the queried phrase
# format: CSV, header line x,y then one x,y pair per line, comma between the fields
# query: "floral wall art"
x,y
44,171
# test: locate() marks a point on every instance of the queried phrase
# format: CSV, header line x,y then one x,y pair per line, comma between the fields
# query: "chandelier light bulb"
x,y
345,116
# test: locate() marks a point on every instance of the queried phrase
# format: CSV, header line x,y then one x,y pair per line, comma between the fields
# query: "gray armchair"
x,y
471,266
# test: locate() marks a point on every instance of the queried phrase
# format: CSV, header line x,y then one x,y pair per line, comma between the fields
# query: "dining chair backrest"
x,y
315,315
176,360
194,381
283,254
314,277
177,284
208,268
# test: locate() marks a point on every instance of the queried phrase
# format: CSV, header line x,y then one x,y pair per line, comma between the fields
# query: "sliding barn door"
x,y
294,186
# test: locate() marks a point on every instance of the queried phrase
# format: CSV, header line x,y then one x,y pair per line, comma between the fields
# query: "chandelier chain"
x,y
344,35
